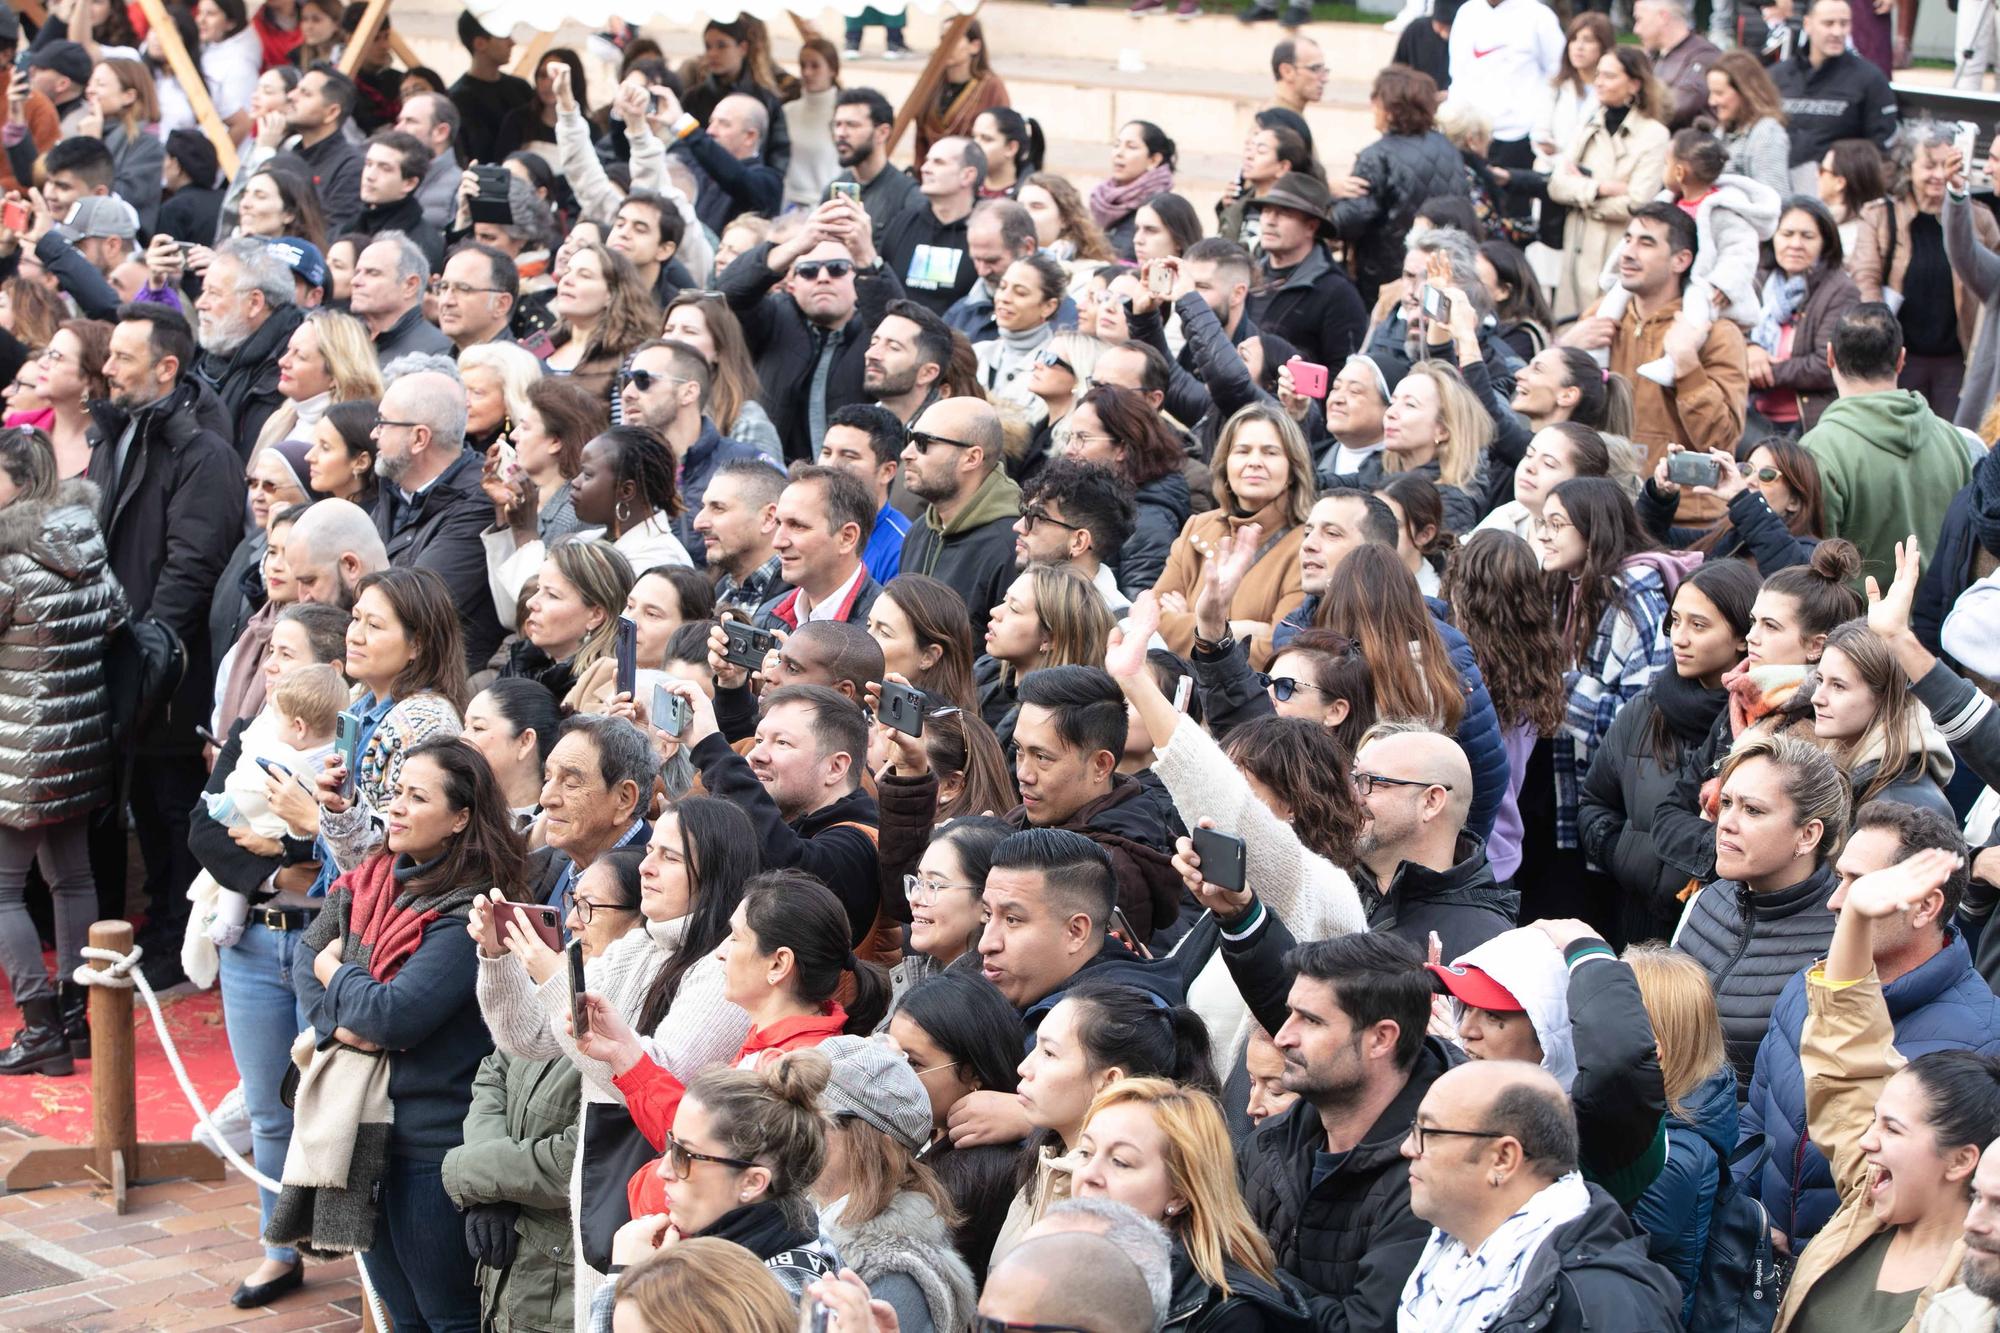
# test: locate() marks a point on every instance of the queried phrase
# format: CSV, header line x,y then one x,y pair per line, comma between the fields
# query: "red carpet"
x,y
60,1107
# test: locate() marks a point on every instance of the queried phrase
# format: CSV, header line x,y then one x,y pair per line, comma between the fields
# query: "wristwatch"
x,y
1221,647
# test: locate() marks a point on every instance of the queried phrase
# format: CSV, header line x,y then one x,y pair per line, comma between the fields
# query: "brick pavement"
x,y
168,1265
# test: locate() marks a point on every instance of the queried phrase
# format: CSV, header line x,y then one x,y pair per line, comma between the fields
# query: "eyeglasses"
x,y
1314,69
52,356
1418,1133
1549,527
1365,782
439,287
1763,474
1282,688
1047,357
383,423
1030,517
584,908
986,1323
268,487
809,270
644,380
923,892
923,440
681,1158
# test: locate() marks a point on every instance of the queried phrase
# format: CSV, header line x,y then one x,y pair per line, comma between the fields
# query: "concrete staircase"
x,y
1080,72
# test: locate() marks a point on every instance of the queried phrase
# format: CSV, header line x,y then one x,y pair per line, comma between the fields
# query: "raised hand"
x,y
1899,887
1228,566
1889,612
1125,657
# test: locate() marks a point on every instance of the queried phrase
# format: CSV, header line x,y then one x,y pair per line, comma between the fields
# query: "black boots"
x,y
73,1001
40,1046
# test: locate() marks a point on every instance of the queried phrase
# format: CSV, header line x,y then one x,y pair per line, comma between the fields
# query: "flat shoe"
x,y
248,1297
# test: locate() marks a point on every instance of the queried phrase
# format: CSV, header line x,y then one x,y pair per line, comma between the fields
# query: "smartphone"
x,y
535,918
1437,306
275,769
747,644
508,463
1183,691
208,737
671,713
815,1317
579,1012
1965,141
1309,379
1222,858
347,744
628,654
902,708
846,190
1689,469
1160,281
1121,925
489,204
14,215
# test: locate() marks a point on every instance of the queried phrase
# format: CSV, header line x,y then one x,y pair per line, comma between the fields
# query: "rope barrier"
x,y
123,974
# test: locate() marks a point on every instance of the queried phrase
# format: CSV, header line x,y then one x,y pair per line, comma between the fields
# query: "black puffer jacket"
x,y
1352,1238
247,380
1252,1305
1463,904
1751,944
1162,509
1592,1273
1402,170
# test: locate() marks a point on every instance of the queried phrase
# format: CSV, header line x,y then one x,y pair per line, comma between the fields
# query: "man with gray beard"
x,y
247,313
1973,1306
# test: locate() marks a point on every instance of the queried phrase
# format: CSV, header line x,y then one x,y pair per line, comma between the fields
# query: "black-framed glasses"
x,y
1036,514
1364,782
1049,357
1282,688
383,423
584,908
439,287
810,269
923,440
1419,1132
986,1323
1763,474
681,1158
644,380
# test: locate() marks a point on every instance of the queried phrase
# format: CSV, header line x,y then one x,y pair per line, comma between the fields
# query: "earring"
x,y
624,512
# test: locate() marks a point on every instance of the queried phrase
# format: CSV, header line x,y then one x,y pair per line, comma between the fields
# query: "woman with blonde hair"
x,y
330,359
704,321
1058,379
1164,1150
572,619
1051,616
704,1285
125,106
1265,481
497,377
1701,1109
603,310
1617,162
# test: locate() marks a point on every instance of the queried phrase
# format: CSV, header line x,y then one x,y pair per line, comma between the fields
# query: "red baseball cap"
x,y
1476,987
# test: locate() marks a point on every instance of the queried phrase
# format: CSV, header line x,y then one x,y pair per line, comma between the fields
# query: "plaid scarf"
x,y
383,921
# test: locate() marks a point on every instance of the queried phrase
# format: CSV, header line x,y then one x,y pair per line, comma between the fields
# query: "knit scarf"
x,y
1986,502
386,920
1756,692
1015,355
1111,203
1783,295
1467,1290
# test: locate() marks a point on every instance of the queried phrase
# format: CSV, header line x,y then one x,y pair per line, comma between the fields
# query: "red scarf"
x,y
386,930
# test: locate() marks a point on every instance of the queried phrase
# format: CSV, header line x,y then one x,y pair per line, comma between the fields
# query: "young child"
x,y
295,730
1733,217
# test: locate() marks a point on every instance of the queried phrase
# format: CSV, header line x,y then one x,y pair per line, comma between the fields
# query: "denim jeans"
x,y
65,860
262,1015
419,1263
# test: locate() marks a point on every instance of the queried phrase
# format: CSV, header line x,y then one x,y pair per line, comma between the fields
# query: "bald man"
x,y
1138,1237
965,536
1497,1138
1078,1281
1422,871
730,152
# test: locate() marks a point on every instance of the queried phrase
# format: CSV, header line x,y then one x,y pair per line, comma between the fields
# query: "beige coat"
x,y
1873,248
1635,153
1271,590
1847,1053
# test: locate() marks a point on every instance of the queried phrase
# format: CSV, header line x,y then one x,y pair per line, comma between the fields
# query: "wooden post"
x,y
929,81
32,9
364,36
538,46
115,1157
188,75
402,50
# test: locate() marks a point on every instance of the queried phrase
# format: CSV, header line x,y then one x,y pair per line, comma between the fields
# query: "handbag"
x,y
613,1152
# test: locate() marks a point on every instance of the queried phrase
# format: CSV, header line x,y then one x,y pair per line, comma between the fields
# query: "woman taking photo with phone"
x,y
926,638
663,981
391,970
1776,512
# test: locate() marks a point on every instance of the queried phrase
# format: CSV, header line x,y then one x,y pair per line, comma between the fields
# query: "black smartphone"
x,y
1223,858
347,743
747,644
902,708
1690,469
489,203
1121,926
671,713
579,1012
628,655
275,769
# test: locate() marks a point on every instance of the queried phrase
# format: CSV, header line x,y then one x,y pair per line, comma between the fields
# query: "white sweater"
x,y
1312,896
701,1029
1502,57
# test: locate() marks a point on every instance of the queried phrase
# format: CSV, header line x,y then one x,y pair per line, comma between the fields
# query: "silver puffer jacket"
x,y
59,602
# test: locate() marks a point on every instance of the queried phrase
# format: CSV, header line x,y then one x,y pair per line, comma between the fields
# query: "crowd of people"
x,y
770,734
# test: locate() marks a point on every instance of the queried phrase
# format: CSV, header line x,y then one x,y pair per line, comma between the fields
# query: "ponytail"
x,y
866,997
1140,1033
789,909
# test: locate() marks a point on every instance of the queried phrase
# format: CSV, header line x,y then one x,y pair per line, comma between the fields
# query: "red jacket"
x,y
653,1095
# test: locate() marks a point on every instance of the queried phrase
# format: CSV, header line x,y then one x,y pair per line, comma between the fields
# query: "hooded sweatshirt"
x,y
1529,965
1890,467
973,552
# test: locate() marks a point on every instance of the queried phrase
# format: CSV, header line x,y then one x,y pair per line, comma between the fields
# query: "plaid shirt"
x,y
1629,647
748,594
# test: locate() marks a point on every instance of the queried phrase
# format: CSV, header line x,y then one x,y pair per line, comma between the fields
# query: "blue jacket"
x,y
1675,1209
1945,1005
1478,728
709,452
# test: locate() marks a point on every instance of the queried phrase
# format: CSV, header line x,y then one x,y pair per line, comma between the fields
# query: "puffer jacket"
x,y
520,1142
1943,1005
1402,170
1752,945
59,603
1351,1237
905,1251
1252,1305
1593,1274
1674,1211
1162,508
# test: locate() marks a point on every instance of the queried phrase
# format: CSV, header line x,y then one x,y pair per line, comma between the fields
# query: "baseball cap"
x,y
303,257
874,1082
1476,987
100,215
68,59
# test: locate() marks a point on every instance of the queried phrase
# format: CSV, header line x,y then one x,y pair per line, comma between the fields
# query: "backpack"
x,y
1739,1285
144,663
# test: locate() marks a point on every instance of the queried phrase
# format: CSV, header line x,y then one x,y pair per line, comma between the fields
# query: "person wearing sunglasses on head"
x,y
1775,515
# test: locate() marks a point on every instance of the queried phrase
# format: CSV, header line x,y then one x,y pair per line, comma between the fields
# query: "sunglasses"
x,y
1046,357
681,1158
923,440
1282,688
986,1323
810,269
644,380
1766,475
1036,514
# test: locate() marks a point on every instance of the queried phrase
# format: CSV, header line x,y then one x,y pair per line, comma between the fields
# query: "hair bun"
x,y
799,1077
1836,561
